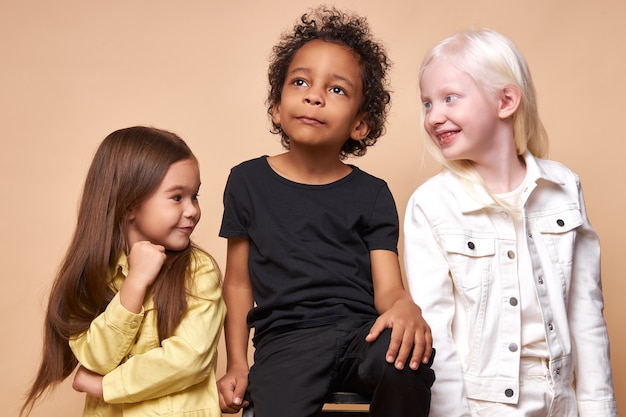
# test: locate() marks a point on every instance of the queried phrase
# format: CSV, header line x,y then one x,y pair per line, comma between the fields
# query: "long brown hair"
x,y
127,167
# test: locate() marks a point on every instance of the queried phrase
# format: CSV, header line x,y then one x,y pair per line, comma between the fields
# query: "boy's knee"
x,y
378,348
375,367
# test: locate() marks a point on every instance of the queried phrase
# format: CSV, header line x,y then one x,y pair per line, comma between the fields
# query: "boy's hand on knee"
x,y
409,333
231,389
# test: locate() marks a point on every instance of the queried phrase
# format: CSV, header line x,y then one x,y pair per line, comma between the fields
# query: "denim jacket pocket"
x,y
558,233
561,222
470,258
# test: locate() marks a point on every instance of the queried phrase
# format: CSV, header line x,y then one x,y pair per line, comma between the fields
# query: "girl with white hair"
x,y
499,251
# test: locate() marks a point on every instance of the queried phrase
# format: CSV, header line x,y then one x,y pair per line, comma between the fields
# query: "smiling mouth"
x,y
446,137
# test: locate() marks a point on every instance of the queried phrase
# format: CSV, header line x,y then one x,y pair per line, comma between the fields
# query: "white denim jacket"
x,y
461,270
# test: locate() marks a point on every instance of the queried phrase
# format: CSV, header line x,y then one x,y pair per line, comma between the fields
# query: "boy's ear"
x,y
361,129
276,114
509,101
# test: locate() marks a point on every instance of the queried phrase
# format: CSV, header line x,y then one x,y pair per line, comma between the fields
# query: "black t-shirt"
x,y
309,259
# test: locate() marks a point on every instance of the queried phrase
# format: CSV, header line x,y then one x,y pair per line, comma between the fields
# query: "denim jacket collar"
x,y
480,199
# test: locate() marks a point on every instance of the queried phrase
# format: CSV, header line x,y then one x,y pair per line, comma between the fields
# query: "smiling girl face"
x,y
168,215
460,117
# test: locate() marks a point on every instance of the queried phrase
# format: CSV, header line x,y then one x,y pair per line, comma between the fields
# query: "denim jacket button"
x,y
513,347
510,254
513,301
471,245
508,392
560,222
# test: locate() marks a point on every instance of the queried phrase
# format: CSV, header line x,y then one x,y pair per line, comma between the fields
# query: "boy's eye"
x,y
177,198
195,197
300,83
428,105
338,90
451,98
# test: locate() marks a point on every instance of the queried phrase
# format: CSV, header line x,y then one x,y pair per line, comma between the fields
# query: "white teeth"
x,y
446,135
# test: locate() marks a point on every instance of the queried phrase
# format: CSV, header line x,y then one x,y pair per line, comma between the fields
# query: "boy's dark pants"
x,y
294,370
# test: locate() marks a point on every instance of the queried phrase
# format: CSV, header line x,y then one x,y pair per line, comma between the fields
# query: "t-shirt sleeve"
x,y
383,227
236,206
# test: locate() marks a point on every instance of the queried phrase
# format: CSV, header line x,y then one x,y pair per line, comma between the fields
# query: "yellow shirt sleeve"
x,y
184,359
125,348
109,339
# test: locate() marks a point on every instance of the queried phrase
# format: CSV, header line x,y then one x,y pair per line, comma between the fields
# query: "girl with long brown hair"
x,y
136,306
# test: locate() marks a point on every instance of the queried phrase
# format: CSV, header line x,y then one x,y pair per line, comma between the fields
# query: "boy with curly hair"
x,y
312,261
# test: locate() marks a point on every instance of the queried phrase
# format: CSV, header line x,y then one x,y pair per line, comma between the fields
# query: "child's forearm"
x,y
386,301
132,295
236,332
387,279
88,382
237,293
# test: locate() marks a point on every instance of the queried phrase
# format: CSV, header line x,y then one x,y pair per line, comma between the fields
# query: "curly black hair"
x,y
332,25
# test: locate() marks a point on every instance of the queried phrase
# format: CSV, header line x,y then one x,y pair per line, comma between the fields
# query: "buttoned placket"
x,y
510,319
552,337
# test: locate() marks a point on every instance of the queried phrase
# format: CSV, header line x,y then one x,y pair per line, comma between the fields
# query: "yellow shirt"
x,y
143,377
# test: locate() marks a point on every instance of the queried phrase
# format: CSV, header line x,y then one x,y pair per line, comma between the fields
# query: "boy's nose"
x,y
315,102
314,97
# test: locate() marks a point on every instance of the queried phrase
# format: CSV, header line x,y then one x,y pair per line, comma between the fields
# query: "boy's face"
x,y
321,97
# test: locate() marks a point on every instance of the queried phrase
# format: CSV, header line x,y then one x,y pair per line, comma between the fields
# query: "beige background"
x,y
73,71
